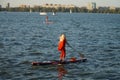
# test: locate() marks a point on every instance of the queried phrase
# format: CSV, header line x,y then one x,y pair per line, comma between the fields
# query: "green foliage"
x,y
60,9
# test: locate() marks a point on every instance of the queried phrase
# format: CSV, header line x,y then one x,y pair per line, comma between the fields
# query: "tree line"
x,y
61,9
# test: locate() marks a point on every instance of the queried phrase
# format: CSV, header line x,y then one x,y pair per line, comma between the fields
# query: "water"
x,y
24,38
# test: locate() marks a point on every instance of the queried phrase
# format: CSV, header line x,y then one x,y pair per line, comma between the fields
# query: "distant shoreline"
x,y
60,9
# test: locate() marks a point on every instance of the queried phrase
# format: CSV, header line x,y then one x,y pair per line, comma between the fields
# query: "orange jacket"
x,y
61,45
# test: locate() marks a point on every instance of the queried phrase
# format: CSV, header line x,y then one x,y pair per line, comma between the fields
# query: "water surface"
x,y
24,38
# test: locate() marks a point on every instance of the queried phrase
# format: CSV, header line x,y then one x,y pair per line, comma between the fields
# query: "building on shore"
x,y
24,6
57,5
0,6
112,8
91,5
8,5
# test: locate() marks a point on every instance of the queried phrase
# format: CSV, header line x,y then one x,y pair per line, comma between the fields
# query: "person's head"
x,y
62,37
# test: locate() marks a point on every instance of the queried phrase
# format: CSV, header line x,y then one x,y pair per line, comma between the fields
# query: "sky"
x,y
79,3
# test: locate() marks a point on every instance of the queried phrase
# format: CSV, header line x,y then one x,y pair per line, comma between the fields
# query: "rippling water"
x,y
24,37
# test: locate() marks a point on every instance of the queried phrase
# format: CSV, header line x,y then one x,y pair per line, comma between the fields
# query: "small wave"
x,y
36,53
115,47
1,45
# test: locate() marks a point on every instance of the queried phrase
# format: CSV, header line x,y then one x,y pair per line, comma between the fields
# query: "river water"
x,y
25,38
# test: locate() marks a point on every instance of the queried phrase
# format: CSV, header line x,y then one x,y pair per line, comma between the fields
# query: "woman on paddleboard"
x,y
61,47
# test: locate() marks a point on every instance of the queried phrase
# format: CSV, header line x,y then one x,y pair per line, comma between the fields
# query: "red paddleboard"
x,y
55,62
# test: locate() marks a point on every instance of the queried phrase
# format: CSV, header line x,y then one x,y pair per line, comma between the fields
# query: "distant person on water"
x,y
61,47
46,19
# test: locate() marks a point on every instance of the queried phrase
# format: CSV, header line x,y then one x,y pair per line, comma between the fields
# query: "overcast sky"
x,y
16,3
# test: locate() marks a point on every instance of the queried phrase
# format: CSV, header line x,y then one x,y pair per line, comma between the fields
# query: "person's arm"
x,y
60,45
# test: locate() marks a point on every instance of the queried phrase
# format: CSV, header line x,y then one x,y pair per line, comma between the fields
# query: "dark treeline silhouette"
x,y
61,9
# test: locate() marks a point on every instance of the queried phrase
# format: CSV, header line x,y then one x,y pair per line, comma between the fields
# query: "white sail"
x,y
43,13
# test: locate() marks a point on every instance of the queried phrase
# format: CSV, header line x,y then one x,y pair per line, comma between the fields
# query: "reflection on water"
x,y
61,71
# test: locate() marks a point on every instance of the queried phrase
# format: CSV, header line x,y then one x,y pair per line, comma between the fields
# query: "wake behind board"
x,y
57,62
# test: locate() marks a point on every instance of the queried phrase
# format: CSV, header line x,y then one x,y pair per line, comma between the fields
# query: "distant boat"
x,y
70,11
30,10
53,13
43,13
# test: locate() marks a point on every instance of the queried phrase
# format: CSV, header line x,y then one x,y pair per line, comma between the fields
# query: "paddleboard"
x,y
56,62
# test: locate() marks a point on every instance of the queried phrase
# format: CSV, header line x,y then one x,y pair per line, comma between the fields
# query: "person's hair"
x,y
62,37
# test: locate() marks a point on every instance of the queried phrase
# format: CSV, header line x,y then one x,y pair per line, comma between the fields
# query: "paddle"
x,y
81,55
